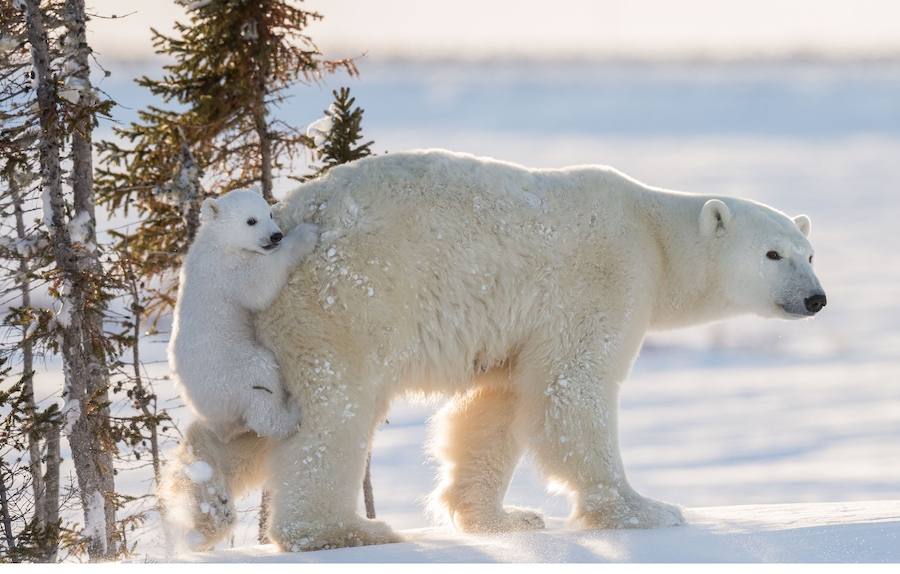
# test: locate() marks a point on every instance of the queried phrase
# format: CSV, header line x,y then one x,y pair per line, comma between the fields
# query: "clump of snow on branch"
x,y
249,31
79,227
74,89
25,247
8,44
63,316
196,5
47,207
320,129
71,413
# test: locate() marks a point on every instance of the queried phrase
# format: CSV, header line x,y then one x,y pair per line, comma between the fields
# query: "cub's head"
x,y
764,258
241,219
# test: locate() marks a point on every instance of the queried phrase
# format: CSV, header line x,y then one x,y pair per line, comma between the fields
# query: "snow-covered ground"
x,y
743,412
828,532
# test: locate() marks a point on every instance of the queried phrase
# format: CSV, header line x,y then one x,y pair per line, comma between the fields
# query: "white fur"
x,y
524,296
226,377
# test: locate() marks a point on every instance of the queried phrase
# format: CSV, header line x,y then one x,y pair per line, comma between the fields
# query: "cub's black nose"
x,y
815,303
276,237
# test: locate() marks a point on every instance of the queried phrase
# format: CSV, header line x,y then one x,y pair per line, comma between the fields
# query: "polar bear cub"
x,y
235,267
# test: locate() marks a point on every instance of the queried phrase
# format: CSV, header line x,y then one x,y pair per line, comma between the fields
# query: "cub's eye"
x,y
810,259
773,255
251,221
271,216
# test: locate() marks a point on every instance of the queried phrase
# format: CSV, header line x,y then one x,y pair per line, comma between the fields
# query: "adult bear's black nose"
x,y
278,236
815,303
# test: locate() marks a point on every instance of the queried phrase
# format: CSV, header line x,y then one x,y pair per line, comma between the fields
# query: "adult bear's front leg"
x,y
575,439
317,473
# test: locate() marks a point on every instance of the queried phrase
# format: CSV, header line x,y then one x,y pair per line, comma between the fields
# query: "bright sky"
x,y
484,28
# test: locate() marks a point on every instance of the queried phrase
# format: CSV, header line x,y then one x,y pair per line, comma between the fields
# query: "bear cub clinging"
x,y
236,266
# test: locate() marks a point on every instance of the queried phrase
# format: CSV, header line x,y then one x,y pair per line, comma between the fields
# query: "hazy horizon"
x,y
567,29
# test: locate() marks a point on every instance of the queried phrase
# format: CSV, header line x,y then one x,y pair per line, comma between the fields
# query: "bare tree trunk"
x,y
51,497
34,445
5,518
191,194
368,496
259,112
97,382
86,386
265,513
265,147
141,393
46,497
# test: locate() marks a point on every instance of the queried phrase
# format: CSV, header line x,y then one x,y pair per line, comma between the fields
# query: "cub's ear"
x,y
803,224
209,210
714,217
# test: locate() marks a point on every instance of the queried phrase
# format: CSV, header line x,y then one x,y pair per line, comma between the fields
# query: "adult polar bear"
x,y
524,296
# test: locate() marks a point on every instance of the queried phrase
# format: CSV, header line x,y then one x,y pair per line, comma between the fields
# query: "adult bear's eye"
x,y
251,221
773,255
810,259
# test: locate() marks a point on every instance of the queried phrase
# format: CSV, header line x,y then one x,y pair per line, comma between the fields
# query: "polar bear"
x,y
236,265
523,296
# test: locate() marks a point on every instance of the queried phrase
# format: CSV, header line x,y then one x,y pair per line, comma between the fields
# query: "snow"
x,y
71,413
32,327
830,532
8,44
47,208
25,247
95,518
63,315
191,6
198,472
71,95
320,129
79,227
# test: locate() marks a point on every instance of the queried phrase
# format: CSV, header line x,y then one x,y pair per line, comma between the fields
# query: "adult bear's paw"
x,y
633,511
510,519
361,532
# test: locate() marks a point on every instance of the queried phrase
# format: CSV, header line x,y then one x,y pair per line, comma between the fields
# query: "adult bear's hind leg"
x,y
475,442
317,473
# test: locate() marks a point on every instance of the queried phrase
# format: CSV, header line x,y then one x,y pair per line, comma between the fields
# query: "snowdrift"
x,y
821,532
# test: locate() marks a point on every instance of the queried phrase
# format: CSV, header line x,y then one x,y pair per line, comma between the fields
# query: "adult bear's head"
x,y
765,258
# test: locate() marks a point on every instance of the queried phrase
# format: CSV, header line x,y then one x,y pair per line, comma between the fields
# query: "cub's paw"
x,y
633,511
303,238
359,532
270,415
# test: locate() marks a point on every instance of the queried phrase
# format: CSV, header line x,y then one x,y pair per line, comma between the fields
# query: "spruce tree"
x,y
337,136
233,62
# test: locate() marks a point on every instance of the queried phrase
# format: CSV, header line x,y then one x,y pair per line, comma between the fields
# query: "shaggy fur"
x,y
236,266
523,296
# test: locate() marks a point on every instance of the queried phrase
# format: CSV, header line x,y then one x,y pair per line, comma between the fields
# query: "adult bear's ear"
x,y
803,224
714,217
210,209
